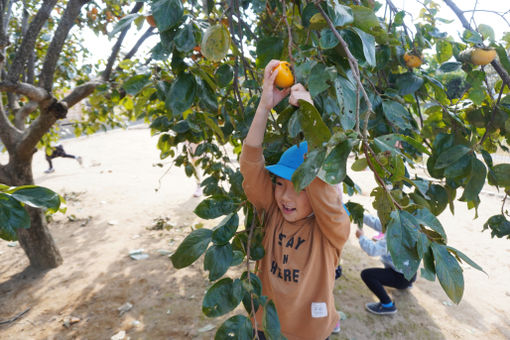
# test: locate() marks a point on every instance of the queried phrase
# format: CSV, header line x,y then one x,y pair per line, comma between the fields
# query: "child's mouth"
x,y
287,210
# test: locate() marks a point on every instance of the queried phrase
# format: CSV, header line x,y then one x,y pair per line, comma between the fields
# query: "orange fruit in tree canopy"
x,y
285,78
150,20
412,60
482,56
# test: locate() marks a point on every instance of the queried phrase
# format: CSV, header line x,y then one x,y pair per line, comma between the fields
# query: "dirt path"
x,y
112,204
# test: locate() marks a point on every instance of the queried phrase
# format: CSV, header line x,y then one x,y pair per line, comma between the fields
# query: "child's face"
x,y
294,206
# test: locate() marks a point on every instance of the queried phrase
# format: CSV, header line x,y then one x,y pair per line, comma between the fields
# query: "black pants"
x,y
263,337
376,278
57,152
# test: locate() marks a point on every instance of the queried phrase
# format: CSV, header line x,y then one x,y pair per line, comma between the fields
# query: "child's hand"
x,y
359,233
271,95
298,91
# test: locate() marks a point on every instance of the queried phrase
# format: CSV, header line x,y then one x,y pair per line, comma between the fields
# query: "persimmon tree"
x,y
42,77
385,92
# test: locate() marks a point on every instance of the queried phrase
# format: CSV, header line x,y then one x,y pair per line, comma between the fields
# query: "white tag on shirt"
x,y
319,310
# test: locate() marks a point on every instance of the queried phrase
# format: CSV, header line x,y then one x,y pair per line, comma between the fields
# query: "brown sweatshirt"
x,y
298,269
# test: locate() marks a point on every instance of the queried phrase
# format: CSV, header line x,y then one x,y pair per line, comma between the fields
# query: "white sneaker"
x,y
80,160
49,171
337,329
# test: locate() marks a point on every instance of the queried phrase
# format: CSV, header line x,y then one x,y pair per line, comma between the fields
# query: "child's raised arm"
x,y
270,97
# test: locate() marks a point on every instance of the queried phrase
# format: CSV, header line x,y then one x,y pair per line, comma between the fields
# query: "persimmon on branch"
x,y
496,64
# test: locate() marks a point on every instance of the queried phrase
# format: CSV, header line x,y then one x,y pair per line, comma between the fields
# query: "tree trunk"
x,y
37,241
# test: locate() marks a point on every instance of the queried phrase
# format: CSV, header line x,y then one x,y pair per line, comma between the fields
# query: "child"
x,y
304,231
376,278
58,151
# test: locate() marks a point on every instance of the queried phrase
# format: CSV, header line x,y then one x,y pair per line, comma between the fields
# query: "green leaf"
x,y
268,48
167,13
429,270
341,15
227,228
360,164
401,237
472,37
315,130
12,217
328,39
185,39
318,80
214,207
224,75
346,97
270,322
383,204
397,114
450,66
444,51
438,198
222,297
356,212
335,164
364,18
399,18
294,127
451,155
215,42
181,94
308,170
193,246
475,182
477,95
368,41
503,57
448,272
499,226
136,83
123,23
486,31
308,12
237,258
238,327
208,101
37,197
426,218
217,260
501,176
408,83
466,259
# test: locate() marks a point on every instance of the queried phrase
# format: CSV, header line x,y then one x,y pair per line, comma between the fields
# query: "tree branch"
x,y
29,39
460,14
353,63
57,43
9,135
51,110
81,92
22,113
35,93
489,11
139,43
116,48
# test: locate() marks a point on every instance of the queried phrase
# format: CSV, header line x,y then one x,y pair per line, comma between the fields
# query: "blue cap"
x,y
290,160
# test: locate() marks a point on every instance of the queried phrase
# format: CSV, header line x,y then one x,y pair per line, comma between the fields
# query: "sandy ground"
x,y
115,199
